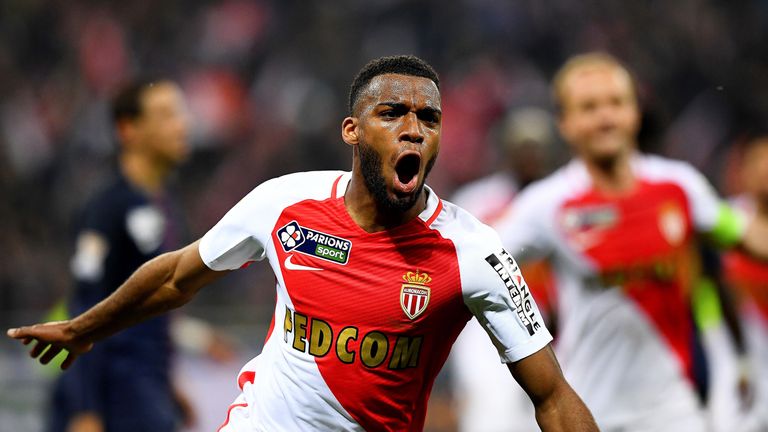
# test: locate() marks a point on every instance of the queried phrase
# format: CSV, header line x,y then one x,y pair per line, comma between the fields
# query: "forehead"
x,y
413,90
159,94
594,80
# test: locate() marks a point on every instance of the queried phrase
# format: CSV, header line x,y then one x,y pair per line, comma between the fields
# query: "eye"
x,y
589,106
390,113
429,117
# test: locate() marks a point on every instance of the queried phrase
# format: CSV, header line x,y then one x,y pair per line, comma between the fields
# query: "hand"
x,y
85,422
52,338
744,385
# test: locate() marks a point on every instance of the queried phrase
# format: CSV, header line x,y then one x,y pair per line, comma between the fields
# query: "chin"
x,y
608,151
401,202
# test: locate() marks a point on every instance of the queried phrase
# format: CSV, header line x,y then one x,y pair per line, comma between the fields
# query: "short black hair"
x,y
755,136
401,64
126,105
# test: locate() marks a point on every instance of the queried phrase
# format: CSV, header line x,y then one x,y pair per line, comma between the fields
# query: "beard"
x,y
371,164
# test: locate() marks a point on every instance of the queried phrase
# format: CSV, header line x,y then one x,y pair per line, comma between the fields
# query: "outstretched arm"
x,y
164,283
558,407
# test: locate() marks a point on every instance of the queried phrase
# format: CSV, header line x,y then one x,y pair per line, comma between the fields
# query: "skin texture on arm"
x,y
162,284
558,407
755,240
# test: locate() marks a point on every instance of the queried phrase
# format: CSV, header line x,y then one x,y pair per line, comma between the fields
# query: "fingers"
x,y
49,355
16,333
21,334
68,361
38,349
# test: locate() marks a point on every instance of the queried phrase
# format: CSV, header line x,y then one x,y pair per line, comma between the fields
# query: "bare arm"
x,y
755,240
162,284
558,407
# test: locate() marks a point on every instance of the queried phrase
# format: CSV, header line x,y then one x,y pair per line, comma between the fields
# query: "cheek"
x,y
577,127
630,118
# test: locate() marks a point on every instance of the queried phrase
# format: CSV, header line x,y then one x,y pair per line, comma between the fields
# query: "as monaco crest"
x,y
414,294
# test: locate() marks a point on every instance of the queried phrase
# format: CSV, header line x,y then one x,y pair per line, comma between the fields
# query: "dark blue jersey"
x,y
134,230
119,230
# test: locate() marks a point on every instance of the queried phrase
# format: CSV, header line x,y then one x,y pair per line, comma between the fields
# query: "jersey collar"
x,y
428,215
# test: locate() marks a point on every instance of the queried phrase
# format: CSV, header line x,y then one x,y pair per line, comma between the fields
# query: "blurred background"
x,y
266,85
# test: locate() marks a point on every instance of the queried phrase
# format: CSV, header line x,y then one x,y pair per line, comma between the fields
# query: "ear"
x,y
564,127
349,131
126,131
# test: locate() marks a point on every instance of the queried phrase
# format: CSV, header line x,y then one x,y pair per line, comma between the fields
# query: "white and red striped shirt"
x,y
625,265
364,321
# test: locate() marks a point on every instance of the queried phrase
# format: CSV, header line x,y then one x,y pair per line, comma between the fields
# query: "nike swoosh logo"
x,y
291,266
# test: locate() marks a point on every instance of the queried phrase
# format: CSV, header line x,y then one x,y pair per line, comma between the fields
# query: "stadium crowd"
x,y
263,82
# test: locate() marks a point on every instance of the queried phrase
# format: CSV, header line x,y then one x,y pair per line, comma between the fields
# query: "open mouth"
x,y
407,172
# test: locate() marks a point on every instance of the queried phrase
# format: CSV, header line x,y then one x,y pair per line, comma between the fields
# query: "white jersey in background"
x,y
623,266
488,398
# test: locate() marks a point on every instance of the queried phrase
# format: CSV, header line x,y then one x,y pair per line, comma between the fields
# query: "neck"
x,y
612,176
144,173
367,213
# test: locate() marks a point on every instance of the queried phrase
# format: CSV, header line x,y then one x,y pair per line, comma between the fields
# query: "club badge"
x,y
414,293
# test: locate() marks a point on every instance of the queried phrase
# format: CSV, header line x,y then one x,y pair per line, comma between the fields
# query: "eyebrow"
x,y
402,106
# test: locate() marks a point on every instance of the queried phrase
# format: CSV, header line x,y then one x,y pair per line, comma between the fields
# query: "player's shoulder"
x,y
655,167
462,227
498,183
301,185
567,181
115,195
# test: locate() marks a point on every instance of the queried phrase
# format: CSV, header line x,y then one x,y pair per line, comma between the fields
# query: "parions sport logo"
x,y
509,272
296,238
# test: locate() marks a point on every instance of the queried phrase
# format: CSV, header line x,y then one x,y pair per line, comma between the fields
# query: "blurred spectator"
x,y
487,398
125,383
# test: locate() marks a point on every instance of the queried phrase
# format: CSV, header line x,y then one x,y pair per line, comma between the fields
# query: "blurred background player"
x,y
526,145
125,383
748,279
619,229
527,149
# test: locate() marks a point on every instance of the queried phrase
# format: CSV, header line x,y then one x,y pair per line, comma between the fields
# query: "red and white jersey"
x,y
488,197
748,275
364,321
624,265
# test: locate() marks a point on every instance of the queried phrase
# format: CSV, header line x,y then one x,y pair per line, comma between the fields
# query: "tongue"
x,y
407,187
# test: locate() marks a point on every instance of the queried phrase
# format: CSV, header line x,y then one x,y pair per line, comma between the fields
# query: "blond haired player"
x,y
620,229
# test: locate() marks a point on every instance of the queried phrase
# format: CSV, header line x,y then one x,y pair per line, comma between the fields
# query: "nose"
x,y
411,130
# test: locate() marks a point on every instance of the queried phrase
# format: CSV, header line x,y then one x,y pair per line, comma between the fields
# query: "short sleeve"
x,y
711,215
503,304
242,234
98,225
